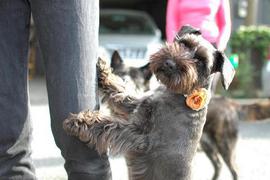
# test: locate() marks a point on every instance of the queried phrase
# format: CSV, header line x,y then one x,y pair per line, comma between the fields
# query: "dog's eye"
x,y
122,74
200,63
199,57
195,60
200,60
186,43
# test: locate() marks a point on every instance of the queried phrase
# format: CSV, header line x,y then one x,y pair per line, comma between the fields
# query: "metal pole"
x,y
252,8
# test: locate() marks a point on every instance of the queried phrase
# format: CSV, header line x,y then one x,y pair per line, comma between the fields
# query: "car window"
x,y
125,24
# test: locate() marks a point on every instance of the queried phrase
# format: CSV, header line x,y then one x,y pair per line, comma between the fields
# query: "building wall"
x,y
264,12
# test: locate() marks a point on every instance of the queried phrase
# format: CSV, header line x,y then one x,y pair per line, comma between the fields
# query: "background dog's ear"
x,y
116,60
224,66
187,29
147,73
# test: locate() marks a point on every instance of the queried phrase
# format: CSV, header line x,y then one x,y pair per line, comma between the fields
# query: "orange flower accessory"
x,y
198,99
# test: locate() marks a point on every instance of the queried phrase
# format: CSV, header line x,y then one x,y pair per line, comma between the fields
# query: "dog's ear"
x,y
147,73
224,66
116,60
187,29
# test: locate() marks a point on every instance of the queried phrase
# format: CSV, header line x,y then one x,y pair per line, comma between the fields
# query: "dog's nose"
x,y
170,64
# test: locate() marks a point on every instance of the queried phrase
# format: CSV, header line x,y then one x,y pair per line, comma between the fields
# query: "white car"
x,y
133,33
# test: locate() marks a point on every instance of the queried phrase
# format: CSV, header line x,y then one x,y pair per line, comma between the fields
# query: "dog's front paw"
x,y
108,81
79,124
103,70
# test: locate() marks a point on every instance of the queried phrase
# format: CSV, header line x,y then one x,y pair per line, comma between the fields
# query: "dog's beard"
x,y
182,81
182,76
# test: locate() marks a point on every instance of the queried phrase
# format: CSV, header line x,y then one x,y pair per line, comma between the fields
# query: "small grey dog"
x,y
158,133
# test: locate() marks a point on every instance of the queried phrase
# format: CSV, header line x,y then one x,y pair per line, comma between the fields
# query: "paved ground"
x,y
253,150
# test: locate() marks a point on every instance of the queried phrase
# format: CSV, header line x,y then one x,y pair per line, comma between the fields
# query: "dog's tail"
x,y
254,112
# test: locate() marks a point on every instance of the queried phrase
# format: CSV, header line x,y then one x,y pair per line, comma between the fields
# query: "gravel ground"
x,y
253,150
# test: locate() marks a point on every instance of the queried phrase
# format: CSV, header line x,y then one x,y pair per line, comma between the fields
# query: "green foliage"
x,y
245,73
251,37
244,42
244,77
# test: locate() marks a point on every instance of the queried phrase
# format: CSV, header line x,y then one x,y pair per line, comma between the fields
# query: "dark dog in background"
x,y
221,128
158,134
138,76
220,135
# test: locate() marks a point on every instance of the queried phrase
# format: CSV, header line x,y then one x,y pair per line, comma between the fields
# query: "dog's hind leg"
x,y
113,90
106,132
227,142
227,151
211,151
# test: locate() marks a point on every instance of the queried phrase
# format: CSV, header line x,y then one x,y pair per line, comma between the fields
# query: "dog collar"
x,y
198,99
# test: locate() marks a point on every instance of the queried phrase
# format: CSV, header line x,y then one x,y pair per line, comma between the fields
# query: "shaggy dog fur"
x,y
220,133
221,128
158,134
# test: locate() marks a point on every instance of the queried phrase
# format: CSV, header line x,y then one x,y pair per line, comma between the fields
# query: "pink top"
x,y
212,17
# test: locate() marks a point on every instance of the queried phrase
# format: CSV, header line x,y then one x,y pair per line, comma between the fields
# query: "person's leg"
x,y
68,34
15,133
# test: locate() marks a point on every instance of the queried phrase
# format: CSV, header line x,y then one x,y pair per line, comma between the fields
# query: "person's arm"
x,y
223,19
172,18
